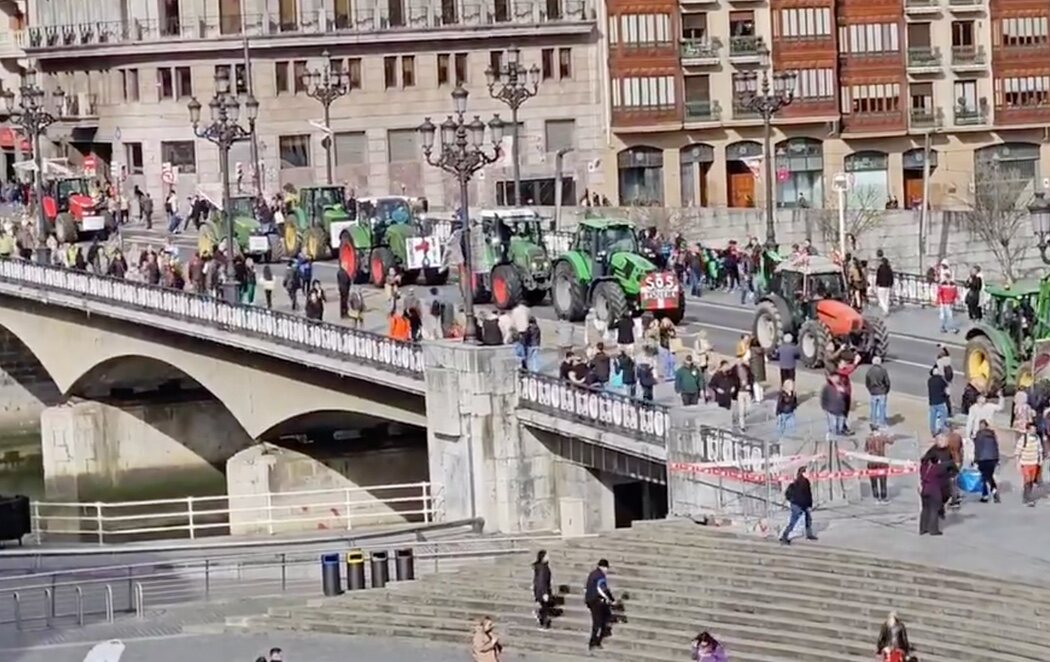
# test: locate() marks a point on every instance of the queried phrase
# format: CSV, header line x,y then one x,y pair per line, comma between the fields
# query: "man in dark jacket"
x,y
599,600
883,282
725,386
931,487
877,381
800,495
986,456
787,356
688,381
601,366
834,405
937,394
541,589
625,364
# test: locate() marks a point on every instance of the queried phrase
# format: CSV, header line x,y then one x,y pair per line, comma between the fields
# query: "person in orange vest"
x,y
399,327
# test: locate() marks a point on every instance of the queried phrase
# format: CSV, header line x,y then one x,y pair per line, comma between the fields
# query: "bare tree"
x,y
997,214
865,211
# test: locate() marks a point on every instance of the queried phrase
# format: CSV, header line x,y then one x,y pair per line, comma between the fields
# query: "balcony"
x,y
364,24
969,58
689,4
924,60
925,118
972,115
746,50
702,111
1035,112
962,7
921,7
743,112
700,52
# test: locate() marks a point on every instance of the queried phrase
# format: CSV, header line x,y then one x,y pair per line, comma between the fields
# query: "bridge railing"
x,y
280,327
613,411
250,514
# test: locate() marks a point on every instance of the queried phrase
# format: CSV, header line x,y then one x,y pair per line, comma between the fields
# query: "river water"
x,y
21,467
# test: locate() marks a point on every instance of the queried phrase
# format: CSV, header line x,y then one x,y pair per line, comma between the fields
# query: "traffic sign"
x,y
167,173
89,165
842,182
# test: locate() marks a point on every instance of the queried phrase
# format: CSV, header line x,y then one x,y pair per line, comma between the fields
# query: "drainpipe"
x,y
559,158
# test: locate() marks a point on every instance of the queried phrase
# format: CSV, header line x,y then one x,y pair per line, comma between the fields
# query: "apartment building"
x,y
12,22
129,68
874,78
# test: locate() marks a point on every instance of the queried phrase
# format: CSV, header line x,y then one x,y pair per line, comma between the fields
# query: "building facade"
x,y
874,79
12,25
129,68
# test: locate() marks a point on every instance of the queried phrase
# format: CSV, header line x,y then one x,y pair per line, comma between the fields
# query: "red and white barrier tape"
x,y
738,472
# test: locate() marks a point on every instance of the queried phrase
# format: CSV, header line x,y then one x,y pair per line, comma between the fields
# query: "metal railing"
x,y
97,594
634,417
281,328
201,517
913,290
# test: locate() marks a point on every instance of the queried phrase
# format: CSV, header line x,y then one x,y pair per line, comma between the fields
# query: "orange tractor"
x,y
807,297
73,213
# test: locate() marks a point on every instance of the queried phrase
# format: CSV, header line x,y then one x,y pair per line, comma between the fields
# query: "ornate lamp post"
x,y
461,154
514,85
224,131
1039,211
326,86
30,113
767,100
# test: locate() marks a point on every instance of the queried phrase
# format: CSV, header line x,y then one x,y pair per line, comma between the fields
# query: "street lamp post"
x,y
29,112
224,131
326,86
1039,211
461,154
767,100
513,84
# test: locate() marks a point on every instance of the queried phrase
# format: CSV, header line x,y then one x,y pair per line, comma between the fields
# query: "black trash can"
x,y
355,570
758,363
331,582
404,565
380,569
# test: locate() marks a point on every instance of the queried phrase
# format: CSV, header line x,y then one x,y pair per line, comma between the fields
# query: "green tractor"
x,y
388,235
604,270
514,261
315,224
251,238
1001,348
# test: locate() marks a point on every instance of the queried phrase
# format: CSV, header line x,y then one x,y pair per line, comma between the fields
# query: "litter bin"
x,y
331,582
404,565
758,363
355,570
380,569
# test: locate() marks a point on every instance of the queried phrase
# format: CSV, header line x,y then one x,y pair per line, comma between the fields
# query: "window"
x,y
640,30
299,71
351,148
869,38
390,71
560,134
442,68
401,146
133,156
280,77
165,84
654,93
238,81
814,84
449,15
295,151
353,70
805,23
1023,92
879,98
962,33
694,27
741,24
408,71
1024,31
553,13
183,82
182,154
536,191
129,84
495,60
965,95
564,63
461,68
547,63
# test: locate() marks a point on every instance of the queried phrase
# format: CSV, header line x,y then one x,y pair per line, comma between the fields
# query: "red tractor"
x,y
73,213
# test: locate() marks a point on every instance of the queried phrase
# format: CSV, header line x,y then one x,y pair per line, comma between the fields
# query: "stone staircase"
x,y
766,603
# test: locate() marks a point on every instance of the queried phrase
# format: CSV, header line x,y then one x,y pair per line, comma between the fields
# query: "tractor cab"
x,y
599,240
315,201
522,224
387,210
65,188
1012,308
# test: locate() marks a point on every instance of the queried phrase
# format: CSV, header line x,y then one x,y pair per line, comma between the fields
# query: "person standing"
x,y
646,376
893,640
931,482
986,456
883,282
146,210
292,285
787,355
268,283
974,292
877,381
799,495
599,599
688,381
625,364
601,366
787,403
1029,454
947,293
937,399
833,404
541,589
875,446
725,387
954,442
343,282
744,393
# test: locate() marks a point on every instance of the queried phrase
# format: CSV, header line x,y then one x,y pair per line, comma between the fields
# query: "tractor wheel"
x,y
568,294
432,276
276,252
985,365
65,228
535,297
315,243
506,286
1025,379
813,340
380,263
878,337
349,259
768,326
292,241
609,302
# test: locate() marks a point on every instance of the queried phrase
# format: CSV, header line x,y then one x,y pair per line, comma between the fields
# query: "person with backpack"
x,y
292,284
356,304
800,495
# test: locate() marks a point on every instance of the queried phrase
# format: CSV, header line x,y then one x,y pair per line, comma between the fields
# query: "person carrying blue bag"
x,y
986,457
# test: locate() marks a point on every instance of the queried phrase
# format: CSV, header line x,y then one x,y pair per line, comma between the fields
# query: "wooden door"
x,y
741,189
912,190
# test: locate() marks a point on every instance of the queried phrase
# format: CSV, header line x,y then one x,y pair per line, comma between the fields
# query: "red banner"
x,y
659,291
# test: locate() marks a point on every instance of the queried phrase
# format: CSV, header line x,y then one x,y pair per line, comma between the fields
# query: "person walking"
x,y
745,392
799,495
485,645
986,457
875,446
893,645
877,381
883,282
268,283
931,483
1029,454
937,399
974,292
292,284
646,376
947,293
541,589
788,355
689,381
599,599
787,403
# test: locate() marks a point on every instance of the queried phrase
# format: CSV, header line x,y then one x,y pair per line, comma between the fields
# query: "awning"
x,y
8,137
